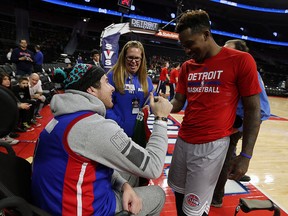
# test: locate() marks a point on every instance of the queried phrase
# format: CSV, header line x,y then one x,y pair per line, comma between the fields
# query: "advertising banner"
x,y
110,49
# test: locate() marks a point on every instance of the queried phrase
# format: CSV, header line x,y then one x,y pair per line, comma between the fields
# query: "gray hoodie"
x,y
102,140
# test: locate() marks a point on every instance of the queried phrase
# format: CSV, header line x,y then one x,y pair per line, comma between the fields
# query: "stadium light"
x,y
156,20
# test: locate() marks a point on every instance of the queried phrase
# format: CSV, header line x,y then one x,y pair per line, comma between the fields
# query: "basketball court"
x,y
268,168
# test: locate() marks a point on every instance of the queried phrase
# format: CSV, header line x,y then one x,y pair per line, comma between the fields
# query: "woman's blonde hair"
x,y
119,69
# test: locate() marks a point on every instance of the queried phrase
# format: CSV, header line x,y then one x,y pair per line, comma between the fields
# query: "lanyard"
x,y
131,83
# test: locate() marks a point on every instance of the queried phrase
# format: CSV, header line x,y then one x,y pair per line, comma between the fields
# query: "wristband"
x,y
245,155
161,118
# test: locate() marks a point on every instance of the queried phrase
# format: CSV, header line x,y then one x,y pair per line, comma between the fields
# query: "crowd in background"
x,y
53,38
28,60
47,42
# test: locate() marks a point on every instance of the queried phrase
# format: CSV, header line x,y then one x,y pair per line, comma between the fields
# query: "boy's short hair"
x,y
22,79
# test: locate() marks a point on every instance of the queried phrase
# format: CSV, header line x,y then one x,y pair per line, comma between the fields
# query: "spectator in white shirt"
x,y
36,92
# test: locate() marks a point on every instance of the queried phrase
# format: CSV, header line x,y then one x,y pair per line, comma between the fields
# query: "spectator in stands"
x,y
69,65
9,55
236,136
23,58
95,55
21,91
6,82
79,152
36,92
212,82
132,87
38,59
79,59
164,78
174,79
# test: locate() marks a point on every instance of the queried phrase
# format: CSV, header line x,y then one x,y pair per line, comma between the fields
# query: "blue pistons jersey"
x,y
66,183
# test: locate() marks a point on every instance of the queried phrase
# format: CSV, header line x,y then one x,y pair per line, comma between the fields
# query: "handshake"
x,y
160,106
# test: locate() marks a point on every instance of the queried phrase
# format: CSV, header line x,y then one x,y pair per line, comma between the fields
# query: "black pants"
x,y
161,86
23,73
179,202
37,68
172,90
38,103
27,115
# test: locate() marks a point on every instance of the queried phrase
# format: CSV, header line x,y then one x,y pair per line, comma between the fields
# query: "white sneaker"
x,y
10,140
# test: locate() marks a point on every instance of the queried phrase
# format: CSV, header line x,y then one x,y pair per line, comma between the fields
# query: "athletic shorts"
x,y
194,172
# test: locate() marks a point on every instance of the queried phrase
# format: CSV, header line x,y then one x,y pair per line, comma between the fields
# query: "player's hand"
x,y
238,167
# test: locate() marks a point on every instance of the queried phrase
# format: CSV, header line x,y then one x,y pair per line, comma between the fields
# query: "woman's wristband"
x,y
161,118
245,155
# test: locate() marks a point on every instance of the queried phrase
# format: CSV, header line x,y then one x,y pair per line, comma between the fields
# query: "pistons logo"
x,y
192,200
202,83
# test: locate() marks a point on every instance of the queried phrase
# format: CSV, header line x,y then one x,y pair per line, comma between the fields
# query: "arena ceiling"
x,y
224,17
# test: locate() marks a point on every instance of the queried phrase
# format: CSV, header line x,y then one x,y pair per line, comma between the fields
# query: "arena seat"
x,y
9,69
15,172
8,111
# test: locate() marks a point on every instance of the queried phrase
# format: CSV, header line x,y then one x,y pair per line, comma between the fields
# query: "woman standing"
x,y
132,87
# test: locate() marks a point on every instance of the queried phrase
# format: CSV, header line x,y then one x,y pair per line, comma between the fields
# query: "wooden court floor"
x,y
269,166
